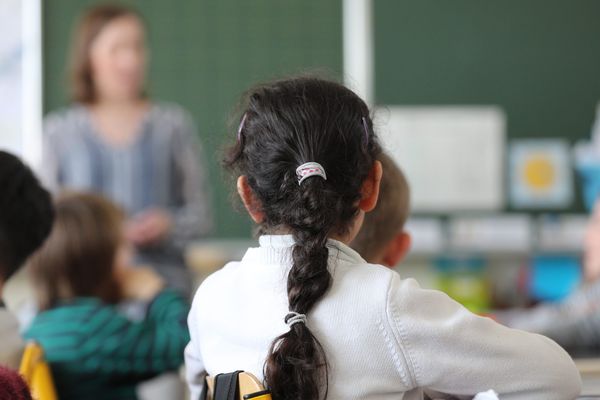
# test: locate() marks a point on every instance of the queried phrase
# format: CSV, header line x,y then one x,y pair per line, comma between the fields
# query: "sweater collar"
x,y
273,247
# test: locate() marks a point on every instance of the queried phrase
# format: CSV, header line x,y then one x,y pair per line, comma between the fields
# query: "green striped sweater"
x,y
97,353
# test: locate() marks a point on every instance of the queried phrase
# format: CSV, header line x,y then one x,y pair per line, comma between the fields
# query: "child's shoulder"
x,y
373,282
365,270
386,284
217,281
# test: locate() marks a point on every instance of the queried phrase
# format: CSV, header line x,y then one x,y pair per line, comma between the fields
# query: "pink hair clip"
x,y
366,128
239,132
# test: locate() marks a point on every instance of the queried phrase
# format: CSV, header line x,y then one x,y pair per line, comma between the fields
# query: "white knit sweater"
x,y
384,337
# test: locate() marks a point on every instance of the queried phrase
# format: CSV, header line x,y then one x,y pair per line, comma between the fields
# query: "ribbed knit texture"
x,y
385,337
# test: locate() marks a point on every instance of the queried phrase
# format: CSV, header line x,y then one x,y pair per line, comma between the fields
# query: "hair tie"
x,y
366,128
294,318
242,122
309,169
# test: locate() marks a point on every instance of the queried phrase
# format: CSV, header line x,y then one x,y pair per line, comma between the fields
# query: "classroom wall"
x,y
537,59
204,53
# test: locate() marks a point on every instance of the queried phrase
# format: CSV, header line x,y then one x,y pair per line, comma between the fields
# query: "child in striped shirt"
x,y
80,273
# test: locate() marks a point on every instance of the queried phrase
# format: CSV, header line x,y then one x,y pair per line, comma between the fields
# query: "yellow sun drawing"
x,y
539,172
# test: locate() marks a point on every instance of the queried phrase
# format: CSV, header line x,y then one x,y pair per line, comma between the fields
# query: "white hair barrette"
x,y
309,169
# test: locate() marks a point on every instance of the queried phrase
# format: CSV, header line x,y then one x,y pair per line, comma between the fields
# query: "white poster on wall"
x,y
452,156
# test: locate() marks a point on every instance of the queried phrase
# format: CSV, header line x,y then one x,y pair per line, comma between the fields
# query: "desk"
x,y
589,368
206,256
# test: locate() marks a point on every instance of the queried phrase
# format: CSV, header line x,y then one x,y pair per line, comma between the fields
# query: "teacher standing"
x,y
116,141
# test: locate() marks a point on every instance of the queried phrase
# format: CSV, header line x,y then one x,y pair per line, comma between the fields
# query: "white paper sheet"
x,y
509,233
427,235
452,156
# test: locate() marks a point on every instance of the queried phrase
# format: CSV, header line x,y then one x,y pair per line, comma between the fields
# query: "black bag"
x,y
225,387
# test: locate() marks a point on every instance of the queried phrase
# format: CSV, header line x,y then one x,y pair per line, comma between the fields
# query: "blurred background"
x,y
488,107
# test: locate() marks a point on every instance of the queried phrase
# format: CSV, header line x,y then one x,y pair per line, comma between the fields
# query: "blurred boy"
x,y
382,239
25,221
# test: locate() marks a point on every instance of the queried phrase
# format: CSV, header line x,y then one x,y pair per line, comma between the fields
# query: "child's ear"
x,y
397,249
252,204
370,188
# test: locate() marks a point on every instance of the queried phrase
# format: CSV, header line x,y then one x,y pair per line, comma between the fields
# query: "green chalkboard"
x,y
537,59
204,54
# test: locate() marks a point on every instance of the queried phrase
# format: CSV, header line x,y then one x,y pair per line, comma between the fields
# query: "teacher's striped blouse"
x,y
163,166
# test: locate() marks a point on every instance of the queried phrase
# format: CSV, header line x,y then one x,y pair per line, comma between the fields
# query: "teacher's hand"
x,y
149,227
139,283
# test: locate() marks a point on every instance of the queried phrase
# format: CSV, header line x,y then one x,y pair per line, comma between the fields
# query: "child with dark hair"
x,y
306,312
25,221
25,214
382,239
81,273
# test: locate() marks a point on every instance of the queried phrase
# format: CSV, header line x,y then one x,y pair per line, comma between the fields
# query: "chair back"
x,y
237,385
36,373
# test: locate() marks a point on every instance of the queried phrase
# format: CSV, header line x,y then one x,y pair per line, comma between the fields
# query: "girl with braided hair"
x,y
305,312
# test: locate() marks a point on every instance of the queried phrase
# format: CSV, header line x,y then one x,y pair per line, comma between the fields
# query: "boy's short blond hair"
x,y
389,216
